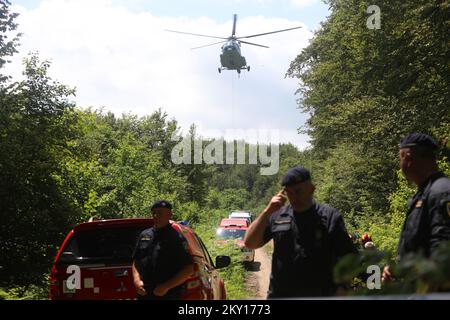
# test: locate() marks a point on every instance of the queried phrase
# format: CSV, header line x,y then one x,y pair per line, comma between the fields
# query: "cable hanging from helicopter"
x,y
231,57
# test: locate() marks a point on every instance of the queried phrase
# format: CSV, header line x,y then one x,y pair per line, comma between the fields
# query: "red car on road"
x,y
234,230
96,258
239,223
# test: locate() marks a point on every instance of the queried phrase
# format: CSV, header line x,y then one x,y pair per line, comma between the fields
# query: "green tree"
x,y
33,211
364,89
7,27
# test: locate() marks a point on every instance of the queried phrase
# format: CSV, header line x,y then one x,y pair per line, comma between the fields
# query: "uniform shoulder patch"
x,y
282,221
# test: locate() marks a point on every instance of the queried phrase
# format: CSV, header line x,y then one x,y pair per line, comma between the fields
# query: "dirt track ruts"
x,y
259,273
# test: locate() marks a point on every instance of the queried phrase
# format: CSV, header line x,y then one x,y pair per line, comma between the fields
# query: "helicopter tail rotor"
x,y
233,33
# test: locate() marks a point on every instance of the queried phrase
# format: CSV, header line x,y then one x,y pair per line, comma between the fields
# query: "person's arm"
x,y
181,277
387,274
439,217
254,237
342,243
137,280
342,246
181,255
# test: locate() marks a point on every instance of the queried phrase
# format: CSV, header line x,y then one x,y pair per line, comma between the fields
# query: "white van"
x,y
241,215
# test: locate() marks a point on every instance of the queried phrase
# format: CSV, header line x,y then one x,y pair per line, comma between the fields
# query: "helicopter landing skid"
x,y
238,70
243,68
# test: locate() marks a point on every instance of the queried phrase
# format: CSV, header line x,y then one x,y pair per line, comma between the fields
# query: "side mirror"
x,y
222,262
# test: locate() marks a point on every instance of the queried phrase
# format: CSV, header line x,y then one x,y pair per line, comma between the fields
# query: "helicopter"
x,y
231,57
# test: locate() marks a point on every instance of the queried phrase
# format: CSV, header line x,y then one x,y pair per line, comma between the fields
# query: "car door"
x,y
213,274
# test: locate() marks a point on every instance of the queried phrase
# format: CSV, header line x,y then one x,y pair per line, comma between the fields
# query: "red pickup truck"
x,y
96,258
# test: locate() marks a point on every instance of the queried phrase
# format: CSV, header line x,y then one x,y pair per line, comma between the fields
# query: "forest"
x,y
363,90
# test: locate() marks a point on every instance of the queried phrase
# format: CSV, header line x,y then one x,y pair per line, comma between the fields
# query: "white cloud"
x,y
125,61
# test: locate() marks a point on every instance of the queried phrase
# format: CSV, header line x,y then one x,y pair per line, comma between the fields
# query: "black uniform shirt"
x,y
307,245
160,254
427,221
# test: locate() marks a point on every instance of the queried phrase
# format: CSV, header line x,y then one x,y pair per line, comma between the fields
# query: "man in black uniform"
x,y
161,259
309,238
427,222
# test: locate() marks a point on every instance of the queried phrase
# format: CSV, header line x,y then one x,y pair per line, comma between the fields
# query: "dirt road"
x,y
259,273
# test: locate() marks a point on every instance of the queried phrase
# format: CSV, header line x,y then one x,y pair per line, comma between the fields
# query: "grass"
x,y
234,275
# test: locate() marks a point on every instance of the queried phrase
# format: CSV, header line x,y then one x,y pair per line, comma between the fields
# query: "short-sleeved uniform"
x,y
159,255
427,222
307,246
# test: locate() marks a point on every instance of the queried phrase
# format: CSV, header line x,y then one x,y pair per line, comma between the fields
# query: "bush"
x,y
24,293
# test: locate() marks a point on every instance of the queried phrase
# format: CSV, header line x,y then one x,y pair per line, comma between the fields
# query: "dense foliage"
x,y
366,88
61,164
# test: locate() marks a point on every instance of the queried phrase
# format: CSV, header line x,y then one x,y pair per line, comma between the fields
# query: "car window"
x,y
230,233
194,244
205,251
116,244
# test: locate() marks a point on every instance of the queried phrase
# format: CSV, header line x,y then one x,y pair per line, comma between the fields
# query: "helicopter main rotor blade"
x,y
262,34
207,45
253,44
233,33
195,34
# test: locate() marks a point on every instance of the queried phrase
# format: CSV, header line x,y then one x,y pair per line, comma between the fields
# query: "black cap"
x,y
295,175
161,204
418,139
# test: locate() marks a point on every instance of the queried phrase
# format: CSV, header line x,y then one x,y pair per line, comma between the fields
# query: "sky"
x,y
119,57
